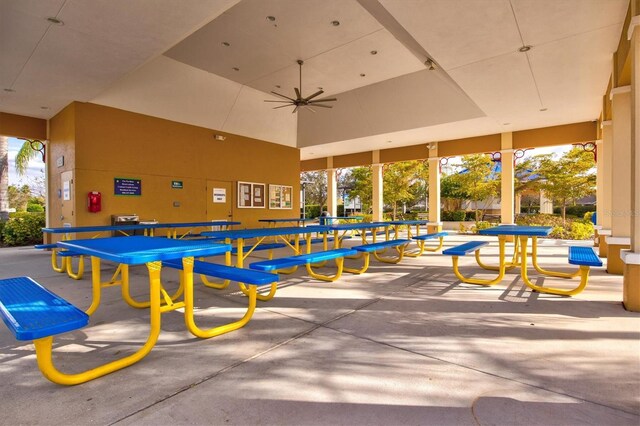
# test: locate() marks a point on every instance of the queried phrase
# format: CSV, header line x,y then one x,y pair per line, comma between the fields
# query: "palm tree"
x,y
4,178
29,149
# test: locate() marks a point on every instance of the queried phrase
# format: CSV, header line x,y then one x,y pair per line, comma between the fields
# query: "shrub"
x,y
459,215
581,230
573,229
483,224
312,211
577,210
446,216
23,229
34,208
2,223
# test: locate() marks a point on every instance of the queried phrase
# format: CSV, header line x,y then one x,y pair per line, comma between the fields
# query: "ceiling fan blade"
x,y
324,100
295,109
298,95
284,102
282,106
323,106
318,93
282,96
311,109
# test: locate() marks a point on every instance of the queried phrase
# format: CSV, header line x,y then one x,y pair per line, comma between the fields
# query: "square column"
x,y
377,181
631,258
620,177
332,190
435,225
605,162
507,193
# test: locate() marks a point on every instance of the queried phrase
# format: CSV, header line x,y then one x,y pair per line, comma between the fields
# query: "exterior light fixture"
x,y
525,48
219,137
429,64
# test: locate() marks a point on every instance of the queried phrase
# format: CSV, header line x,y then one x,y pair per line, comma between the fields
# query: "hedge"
x,y
23,229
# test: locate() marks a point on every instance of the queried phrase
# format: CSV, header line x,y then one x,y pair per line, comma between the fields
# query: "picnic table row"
x,y
47,315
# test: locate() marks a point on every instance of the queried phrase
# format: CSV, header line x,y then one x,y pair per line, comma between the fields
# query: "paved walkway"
x,y
401,344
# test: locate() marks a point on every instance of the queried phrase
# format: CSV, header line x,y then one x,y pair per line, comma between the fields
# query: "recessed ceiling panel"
x,y
458,32
543,21
259,47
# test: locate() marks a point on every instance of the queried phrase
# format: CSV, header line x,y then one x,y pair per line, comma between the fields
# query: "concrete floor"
x,y
400,344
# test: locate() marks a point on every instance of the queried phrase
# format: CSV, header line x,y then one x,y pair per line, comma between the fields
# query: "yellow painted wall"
x,y
112,143
20,126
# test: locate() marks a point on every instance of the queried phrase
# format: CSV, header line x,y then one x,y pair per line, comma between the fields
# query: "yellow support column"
x,y
332,189
378,187
620,178
507,188
631,258
605,159
435,224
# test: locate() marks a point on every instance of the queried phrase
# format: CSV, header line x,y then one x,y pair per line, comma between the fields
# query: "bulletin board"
x,y
251,195
280,197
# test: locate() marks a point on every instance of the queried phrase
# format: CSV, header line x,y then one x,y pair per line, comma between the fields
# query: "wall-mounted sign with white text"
x,y
176,184
126,186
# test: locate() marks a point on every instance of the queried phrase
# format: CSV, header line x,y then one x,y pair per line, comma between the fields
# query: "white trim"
x,y
434,223
618,241
606,123
618,91
635,21
604,232
507,150
597,228
630,258
599,141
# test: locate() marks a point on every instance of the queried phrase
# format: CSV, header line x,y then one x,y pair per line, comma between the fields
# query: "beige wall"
x,y
101,143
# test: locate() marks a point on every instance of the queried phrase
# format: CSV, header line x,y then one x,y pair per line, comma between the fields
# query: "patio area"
x,y
400,344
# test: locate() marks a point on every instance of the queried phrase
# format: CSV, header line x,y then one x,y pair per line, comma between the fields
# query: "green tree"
x,y
478,180
315,187
452,192
19,197
568,178
362,187
398,180
420,187
28,151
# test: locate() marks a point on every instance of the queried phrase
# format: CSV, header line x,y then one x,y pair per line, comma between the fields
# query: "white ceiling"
x,y
167,59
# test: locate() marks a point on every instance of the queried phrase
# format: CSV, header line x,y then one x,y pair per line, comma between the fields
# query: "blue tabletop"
x,y
285,220
138,249
531,231
264,232
350,226
409,222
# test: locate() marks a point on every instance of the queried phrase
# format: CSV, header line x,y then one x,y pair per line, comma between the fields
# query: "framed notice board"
x,y
280,197
251,195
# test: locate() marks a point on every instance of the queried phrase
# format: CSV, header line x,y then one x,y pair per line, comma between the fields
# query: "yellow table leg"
x,y
44,345
501,241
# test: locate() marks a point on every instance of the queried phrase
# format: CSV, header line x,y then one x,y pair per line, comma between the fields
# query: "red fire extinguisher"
x,y
94,202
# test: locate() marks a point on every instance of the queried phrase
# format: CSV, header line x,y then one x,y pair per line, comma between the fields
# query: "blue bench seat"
x,y
260,247
369,248
225,272
33,312
584,256
45,246
466,248
431,236
302,259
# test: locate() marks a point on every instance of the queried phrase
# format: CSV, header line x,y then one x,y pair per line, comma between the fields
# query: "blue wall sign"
x,y
124,186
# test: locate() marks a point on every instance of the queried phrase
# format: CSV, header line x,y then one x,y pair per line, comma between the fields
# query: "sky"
x,y
34,171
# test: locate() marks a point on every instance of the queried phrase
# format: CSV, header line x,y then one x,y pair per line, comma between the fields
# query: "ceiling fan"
x,y
301,102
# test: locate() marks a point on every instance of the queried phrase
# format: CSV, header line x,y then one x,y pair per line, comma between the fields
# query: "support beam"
x,y
378,191
620,178
435,224
332,189
506,185
631,258
605,157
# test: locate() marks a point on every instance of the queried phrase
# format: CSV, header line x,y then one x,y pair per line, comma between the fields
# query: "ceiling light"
x,y
335,23
54,20
9,90
505,124
543,109
226,43
278,86
44,107
374,52
389,141
525,48
362,74
429,64
320,88
271,18
236,69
